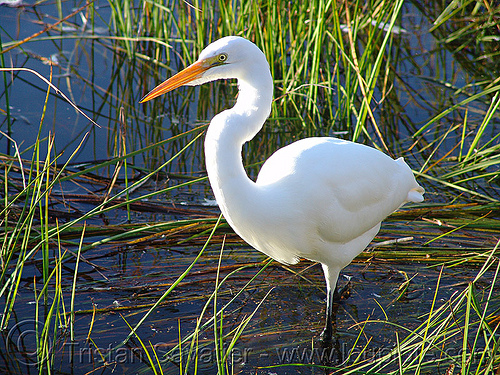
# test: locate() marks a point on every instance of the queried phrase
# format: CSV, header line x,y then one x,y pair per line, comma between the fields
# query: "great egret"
x,y
321,199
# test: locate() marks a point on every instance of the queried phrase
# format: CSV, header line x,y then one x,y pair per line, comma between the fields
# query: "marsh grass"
x,y
465,325
336,66
458,336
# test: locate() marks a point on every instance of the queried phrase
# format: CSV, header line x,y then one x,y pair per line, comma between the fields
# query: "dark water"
x,y
119,276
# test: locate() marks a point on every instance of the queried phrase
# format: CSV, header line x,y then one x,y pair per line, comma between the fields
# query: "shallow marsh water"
x,y
122,277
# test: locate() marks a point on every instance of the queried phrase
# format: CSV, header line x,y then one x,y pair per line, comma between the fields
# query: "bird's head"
x,y
229,57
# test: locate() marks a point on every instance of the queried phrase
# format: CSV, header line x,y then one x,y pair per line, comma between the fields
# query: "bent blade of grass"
x,y
54,87
20,161
152,364
414,343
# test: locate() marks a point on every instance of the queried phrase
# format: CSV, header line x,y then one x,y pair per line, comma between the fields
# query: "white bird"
x,y
321,199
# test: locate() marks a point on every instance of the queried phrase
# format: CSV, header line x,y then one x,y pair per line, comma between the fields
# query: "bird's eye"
x,y
222,57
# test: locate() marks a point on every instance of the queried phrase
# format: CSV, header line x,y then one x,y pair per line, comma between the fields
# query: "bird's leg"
x,y
330,301
330,345
330,342
333,298
331,277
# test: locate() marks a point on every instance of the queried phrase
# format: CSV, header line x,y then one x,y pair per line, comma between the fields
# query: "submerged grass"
x,y
336,67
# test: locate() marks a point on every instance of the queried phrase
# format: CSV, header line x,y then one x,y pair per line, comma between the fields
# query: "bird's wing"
x,y
342,188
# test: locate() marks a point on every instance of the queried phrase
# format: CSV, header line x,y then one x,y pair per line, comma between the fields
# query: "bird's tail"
x,y
416,194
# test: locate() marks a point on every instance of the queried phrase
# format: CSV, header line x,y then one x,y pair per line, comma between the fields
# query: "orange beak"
x,y
187,75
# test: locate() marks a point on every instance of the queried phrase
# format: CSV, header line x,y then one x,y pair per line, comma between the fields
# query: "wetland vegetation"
x,y
114,257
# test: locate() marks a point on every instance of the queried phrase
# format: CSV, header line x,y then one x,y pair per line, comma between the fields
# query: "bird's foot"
x,y
343,293
330,345
327,335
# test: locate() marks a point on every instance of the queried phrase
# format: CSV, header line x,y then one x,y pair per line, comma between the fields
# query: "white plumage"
x,y
321,199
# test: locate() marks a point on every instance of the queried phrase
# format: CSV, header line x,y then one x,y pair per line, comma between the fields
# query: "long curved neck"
x,y
227,133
